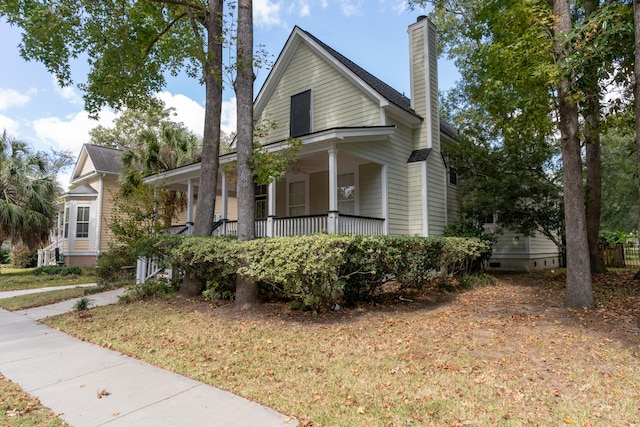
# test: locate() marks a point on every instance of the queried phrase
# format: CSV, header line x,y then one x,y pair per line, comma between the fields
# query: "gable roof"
x,y
383,90
389,93
83,190
105,160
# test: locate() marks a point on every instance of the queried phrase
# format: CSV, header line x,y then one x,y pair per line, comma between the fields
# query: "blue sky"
x,y
371,33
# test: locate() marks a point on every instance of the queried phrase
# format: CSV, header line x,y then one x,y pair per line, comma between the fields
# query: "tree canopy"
x,y
131,46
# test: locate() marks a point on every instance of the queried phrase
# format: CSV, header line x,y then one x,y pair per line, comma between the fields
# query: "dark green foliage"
x,y
149,289
5,256
61,271
372,261
110,265
469,229
312,271
83,304
25,258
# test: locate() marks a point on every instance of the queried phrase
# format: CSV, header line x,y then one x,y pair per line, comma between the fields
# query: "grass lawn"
x,y
12,279
18,409
508,354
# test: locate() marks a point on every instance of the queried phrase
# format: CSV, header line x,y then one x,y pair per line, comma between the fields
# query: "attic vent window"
x,y
300,114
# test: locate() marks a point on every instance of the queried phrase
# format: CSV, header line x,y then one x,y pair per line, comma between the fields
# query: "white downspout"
x,y
425,199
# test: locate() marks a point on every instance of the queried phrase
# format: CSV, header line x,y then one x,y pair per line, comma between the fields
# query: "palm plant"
x,y
28,194
154,151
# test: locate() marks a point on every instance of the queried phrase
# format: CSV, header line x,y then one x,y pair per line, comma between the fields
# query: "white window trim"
x,y
298,178
356,182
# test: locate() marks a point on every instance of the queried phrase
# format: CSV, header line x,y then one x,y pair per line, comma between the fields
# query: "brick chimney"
x,y
423,57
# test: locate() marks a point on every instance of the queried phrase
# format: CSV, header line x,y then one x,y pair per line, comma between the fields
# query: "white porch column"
x,y
332,220
189,206
225,204
271,208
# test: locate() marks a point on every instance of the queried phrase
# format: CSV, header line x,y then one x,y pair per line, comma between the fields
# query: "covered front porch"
x,y
328,189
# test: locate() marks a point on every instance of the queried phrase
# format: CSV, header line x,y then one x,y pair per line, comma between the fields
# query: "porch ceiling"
x,y
318,162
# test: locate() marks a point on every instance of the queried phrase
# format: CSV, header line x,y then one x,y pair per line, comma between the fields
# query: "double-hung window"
x,y
66,223
297,198
82,222
261,201
347,193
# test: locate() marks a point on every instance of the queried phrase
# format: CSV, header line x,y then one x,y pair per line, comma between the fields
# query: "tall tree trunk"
x,y
579,288
636,89
593,160
212,75
246,291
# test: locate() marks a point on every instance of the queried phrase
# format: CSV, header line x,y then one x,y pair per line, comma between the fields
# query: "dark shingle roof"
x,y
378,85
105,159
419,155
83,189
449,130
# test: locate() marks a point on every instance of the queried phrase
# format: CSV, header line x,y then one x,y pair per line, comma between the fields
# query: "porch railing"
x,y
47,255
368,226
307,224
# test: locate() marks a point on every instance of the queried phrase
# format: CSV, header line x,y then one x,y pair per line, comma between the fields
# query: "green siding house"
x,y
371,159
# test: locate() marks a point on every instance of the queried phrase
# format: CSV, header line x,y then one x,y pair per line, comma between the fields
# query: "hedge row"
x,y
318,269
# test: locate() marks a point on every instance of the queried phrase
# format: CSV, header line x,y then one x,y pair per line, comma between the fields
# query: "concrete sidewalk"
x,y
69,375
11,294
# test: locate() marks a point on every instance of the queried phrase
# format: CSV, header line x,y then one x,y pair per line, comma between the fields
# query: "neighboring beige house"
x,y
82,232
86,210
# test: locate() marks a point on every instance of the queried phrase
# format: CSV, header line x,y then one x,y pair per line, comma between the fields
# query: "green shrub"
x,y
462,256
372,261
149,289
83,304
209,259
25,258
612,237
110,265
5,256
216,290
312,271
305,269
55,270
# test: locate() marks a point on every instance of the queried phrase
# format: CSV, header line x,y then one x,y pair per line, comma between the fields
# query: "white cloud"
x,y
187,111
68,93
266,13
349,7
11,98
229,116
401,7
8,124
71,132
191,113
303,9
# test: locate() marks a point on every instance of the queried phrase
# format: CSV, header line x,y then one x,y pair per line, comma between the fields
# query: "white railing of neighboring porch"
x,y
47,255
148,268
